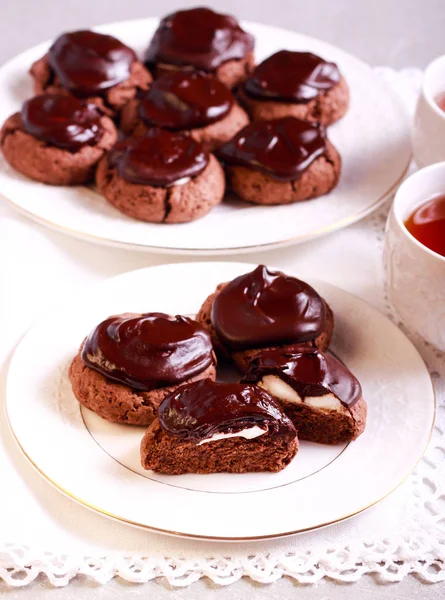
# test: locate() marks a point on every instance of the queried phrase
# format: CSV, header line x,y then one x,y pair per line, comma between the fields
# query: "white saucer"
x,y
97,463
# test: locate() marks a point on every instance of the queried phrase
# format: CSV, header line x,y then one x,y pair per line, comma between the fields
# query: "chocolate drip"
x,y
309,372
148,351
198,410
62,121
185,100
160,159
198,37
282,148
89,63
292,77
265,308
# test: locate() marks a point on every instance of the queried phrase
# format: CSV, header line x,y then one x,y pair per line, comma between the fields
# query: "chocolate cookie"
x,y
129,363
57,139
317,392
281,161
201,39
92,66
297,84
265,310
194,103
208,427
164,177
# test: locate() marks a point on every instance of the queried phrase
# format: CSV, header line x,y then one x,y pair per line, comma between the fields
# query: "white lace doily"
x,y
50,535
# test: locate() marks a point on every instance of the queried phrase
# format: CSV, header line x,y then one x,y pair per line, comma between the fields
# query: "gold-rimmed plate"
x,y
373,139
97,463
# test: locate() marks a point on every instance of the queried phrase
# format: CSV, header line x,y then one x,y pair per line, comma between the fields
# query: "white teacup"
x,y
429,120
415,275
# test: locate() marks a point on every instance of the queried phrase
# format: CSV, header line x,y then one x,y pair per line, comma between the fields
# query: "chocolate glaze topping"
x,y
160,159
62,121
198,37
292,77
267,308
148,351
196,411
89,63
282,148
309,372
185,100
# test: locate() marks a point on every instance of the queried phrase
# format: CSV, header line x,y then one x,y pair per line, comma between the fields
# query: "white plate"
x,y
97,463
373,140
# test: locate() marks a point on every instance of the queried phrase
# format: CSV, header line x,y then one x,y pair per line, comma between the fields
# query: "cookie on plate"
x,y
91,65
57,139
208,427
265,309
163,177
297,84
202,39
195,103
281,161
129,363
317,392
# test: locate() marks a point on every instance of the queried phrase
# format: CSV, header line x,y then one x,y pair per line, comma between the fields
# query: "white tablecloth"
x,y
41,531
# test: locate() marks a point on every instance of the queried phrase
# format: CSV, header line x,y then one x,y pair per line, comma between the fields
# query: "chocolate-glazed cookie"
x,y
91,65
88,63
280,161
148,351
200,38
130,362
181,101
193,102
310,373
293,76
62,121
299,84
163,177
159,159
283,149
316,390
57,139
265,309
208,427
205,409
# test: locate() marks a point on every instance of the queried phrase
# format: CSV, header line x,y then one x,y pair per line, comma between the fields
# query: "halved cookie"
x,y
317,392
208,427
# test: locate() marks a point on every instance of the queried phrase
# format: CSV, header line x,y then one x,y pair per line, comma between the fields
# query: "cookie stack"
x,y
194,118
161,371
